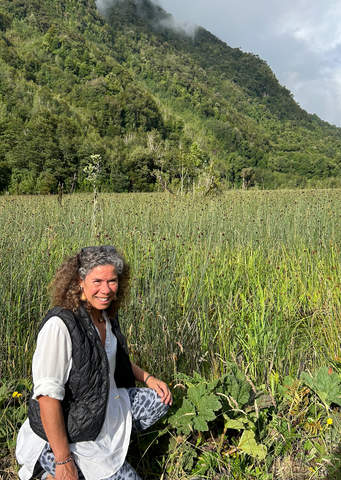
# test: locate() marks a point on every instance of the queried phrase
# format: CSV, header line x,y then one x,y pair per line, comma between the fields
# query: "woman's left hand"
x,y
161,389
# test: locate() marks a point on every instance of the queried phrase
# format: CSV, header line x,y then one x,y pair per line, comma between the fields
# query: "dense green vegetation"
x,y
247,279
139,91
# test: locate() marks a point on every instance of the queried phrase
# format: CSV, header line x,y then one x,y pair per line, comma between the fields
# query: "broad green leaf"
x,y
200,423
208,415
324,397
244,394
326,386
248,444
196,393
288,381
212,385
181,420
210,402
322,378
308,380
187,409
336,399
330,384
236,386
240,423
198,378
234,424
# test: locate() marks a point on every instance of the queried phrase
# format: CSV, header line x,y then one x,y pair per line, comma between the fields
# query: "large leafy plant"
x,y
326,384
230,398
198,406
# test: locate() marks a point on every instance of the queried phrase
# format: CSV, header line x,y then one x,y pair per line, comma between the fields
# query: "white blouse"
x,y
51,366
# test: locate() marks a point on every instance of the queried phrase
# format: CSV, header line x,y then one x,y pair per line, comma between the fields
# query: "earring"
x,y
83,297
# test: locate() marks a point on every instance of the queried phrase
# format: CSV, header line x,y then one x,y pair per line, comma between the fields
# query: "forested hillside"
x,y
152,100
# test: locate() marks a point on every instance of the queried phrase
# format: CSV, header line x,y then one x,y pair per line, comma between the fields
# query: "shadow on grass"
x,y
147,452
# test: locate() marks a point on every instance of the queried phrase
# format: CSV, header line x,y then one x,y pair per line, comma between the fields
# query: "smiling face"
x,y
100,286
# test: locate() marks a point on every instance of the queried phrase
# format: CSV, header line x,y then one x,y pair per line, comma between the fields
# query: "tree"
x,y
192,165
5,176
248,176
92,170
46,183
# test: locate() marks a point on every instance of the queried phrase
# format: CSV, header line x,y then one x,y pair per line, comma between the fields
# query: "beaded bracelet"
x,y
147,379
64,462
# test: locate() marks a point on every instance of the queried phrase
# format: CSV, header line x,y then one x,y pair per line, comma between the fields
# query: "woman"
x,y
84,403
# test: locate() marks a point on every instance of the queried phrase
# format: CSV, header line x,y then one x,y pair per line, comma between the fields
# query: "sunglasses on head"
x,y
108,248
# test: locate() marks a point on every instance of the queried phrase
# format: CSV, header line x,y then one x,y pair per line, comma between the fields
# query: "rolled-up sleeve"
x,y
52,360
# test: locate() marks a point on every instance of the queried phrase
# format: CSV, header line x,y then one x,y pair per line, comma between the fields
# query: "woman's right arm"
x,y
51,367
54,426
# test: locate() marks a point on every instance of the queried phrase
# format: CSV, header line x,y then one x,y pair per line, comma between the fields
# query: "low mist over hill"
x,y
130,84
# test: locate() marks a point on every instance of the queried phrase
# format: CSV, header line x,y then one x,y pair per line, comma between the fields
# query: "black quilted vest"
x,y
87,389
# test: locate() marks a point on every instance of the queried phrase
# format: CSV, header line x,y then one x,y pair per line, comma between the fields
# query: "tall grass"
x,y
251,277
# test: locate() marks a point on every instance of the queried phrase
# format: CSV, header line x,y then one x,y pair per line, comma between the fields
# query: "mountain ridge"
x,y
136,89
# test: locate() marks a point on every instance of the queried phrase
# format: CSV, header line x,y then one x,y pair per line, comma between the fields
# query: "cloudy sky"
x,y
299,39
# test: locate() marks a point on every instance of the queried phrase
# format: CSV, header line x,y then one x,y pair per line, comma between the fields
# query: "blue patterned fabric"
x,y
146,409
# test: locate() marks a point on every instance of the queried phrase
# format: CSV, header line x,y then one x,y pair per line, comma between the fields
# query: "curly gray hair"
x,y
65,287
92,257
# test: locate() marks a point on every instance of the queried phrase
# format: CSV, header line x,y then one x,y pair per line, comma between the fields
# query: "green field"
x,y
249,277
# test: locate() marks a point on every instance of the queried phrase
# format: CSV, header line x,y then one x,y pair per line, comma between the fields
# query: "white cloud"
x,y
186,26
316,23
